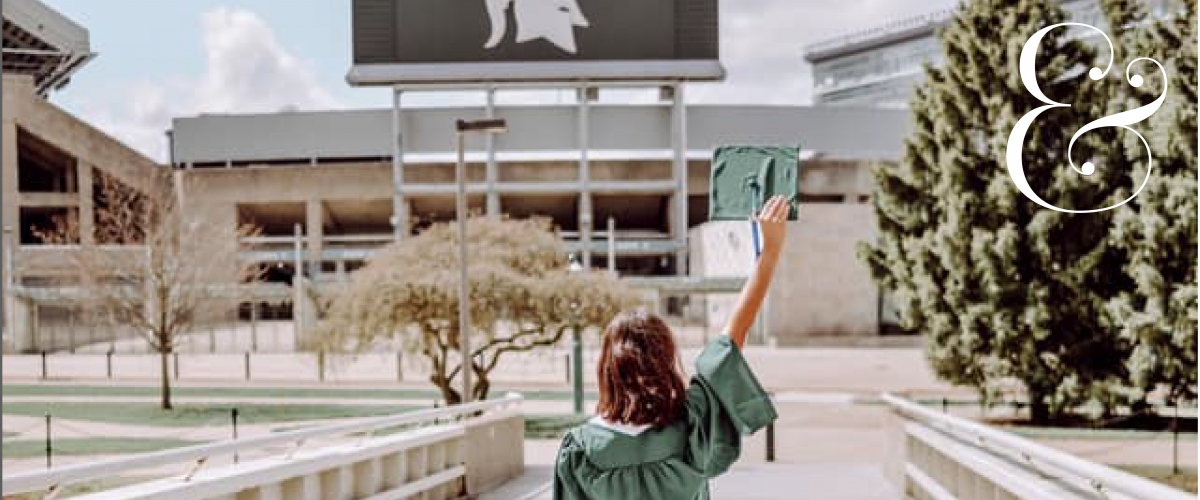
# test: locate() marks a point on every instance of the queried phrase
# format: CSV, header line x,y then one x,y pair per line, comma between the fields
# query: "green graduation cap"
x,y
744,177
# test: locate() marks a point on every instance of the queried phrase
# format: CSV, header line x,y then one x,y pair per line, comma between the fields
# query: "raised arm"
x,y
772,224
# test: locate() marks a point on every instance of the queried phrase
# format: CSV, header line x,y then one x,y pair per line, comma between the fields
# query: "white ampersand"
x,y
1123,119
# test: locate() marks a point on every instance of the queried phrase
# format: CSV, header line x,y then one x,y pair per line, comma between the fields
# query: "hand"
x,y
772,223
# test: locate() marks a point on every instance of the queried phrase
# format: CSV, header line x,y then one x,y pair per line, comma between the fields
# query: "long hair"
x,y
639,375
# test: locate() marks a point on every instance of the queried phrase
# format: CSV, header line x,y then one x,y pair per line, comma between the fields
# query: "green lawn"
x,y
30,448
551,426
262,392
185,415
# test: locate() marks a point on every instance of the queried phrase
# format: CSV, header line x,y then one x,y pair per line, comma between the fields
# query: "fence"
x,y
475,447
937,456
548,366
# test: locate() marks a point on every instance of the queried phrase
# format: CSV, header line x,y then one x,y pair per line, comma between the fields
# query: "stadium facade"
x,y
335,175
880,66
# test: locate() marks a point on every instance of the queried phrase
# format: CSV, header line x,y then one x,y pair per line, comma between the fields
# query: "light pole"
x,y
576,343
461,128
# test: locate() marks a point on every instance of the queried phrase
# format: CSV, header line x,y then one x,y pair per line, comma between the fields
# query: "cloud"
x,y
762,44
246,71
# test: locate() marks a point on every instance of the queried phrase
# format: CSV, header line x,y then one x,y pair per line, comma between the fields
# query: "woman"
x,y
652,438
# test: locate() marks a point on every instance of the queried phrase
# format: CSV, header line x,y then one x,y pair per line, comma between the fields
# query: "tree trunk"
x,y
1039,411
482,385
165,377
450,395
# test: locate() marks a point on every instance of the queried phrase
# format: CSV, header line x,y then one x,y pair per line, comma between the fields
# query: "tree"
x,y
151,268
522,297
1159,232
1004,289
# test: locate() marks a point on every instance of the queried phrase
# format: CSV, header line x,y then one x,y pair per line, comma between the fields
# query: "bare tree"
x,y
522,298
152,268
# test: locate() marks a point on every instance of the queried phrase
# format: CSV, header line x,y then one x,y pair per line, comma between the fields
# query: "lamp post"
x,y
576,343
461,129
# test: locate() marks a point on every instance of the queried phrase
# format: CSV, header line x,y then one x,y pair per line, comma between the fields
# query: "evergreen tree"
x,y
1003,288
1159,231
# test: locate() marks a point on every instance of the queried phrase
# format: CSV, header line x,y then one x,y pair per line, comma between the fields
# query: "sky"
x,y
158,60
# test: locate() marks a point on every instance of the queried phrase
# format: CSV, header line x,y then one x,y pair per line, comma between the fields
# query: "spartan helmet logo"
x,y
553,20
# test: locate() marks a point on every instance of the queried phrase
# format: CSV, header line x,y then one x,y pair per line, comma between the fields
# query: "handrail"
x,y
63,476
1098,476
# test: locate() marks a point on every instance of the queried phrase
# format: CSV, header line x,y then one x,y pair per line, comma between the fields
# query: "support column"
x,y
493,198
612,246
399,207
10,213
87,214
680,174
9,202
314,222
14,336
584,96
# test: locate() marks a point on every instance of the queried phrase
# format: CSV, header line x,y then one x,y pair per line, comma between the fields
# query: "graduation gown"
x,y
674,462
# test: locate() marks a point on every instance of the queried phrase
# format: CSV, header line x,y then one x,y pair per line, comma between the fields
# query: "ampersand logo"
x,y
1123,119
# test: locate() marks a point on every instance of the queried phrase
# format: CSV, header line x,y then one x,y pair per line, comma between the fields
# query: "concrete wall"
x,y
821,288
845,133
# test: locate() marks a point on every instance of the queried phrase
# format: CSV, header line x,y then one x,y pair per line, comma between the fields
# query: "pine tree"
x,y
1159,231
1003,288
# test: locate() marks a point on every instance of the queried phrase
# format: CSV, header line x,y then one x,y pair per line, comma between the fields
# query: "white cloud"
x,y
762,44
246,71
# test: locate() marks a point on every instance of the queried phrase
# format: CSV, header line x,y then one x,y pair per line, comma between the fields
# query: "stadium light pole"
x,y
461,129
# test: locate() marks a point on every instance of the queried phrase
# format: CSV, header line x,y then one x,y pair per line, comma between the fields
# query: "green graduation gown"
x,y
724,402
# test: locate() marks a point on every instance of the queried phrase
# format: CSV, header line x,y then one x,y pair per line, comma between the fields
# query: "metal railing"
x,y
1090,476
54,480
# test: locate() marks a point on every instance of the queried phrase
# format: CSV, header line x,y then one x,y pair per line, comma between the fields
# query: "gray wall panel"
x,y
837,133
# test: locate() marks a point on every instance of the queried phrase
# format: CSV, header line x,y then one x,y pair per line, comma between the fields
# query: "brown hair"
x,y
639,375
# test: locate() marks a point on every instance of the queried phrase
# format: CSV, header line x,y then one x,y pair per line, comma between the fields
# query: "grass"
x,y
1185,479
551,426
30,448
261,392
191,415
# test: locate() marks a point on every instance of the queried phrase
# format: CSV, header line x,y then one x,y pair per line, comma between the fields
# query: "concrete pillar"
x,y
10,225
306,487
368,477
493,198
679,174
87,214
7,301
264,492
337,484
400,208
22,324
9,202
314,224
395,469
585,177
340,269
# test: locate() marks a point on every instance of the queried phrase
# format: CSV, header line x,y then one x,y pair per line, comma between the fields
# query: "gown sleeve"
x,y
566,465
724,402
